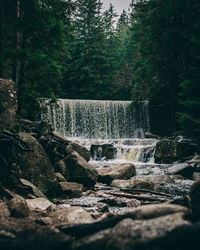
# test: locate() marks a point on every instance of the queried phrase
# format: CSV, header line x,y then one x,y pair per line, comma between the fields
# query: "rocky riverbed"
x,y
54,195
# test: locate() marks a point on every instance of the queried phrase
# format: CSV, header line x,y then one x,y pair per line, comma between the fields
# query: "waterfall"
x,y
96,119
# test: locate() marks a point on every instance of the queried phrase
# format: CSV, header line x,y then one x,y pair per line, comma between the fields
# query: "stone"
x,y
165,151
35,191
39,203
18,207
55,145
182,168
128,233
144,182
156,210
76,169
133,234
70,188
195,199
101,151
8,103
60,177
4,211
79,149
71,216
169,151
35,165
35,128
123,171
149,135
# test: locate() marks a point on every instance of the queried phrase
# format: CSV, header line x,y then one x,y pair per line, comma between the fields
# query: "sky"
x,y
118,4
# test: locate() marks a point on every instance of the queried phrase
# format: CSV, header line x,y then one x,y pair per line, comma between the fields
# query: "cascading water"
x,y
93,122
94,119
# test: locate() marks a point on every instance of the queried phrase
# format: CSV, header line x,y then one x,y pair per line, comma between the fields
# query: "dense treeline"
x,y
77,49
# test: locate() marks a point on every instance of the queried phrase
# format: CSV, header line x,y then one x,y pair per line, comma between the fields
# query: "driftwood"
x,y
132,190
138,197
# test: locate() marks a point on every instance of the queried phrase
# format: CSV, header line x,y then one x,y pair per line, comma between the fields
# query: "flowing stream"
x,y
114,133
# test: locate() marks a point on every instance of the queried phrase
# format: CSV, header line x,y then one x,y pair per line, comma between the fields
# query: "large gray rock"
x,y
35,191
144,182
4,211
39,203
157,210
76,169
70,188
8,103
195,199
182,168
18,207
79,149
35,165
101,151
132,234
71,216
123,171
168,151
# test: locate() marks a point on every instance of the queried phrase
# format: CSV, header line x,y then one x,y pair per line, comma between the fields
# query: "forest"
x,y
79,50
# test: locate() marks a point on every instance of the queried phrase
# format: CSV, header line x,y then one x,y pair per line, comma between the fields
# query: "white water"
x,y
96,119
92,122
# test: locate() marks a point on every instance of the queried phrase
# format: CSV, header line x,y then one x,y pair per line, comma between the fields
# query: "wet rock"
x,y
165,151
169,151
71,215
196,176
183,168
123,171
35,191
195,199
79,149
55,146
76,169
60,177
8,103
35,165
35,128
101,151
39,203
144,182
70,188
4,211
18,207
128,233
157,210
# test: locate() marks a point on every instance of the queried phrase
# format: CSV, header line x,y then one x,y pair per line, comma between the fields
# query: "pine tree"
x,y
88,74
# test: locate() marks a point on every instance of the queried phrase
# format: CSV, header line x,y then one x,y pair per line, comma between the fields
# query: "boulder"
x,y
101,151
71,216
60,177
133,234
39,203
70,188
195,199
35,191
35,165
156,210
18,207
182,168
169,151
123,171
128,233
4,211
79,149
35,128
144,182
8,103
76,169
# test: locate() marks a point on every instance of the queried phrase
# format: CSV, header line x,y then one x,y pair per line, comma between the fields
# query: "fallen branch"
x,y
145,191
138,197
